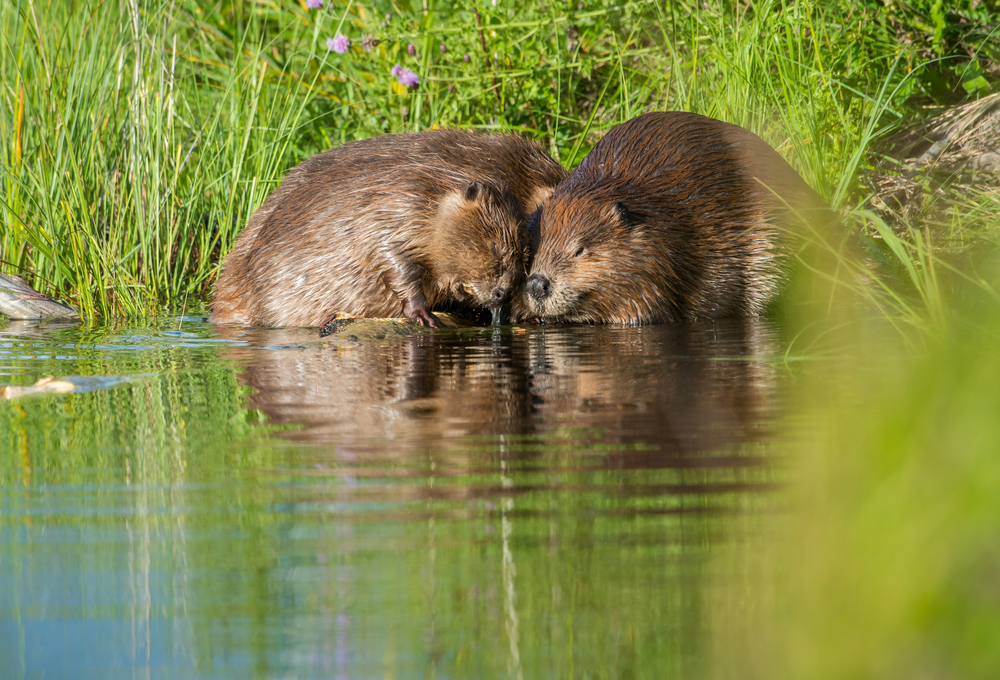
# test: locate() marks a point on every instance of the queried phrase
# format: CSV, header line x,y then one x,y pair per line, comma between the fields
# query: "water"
x,y
515,502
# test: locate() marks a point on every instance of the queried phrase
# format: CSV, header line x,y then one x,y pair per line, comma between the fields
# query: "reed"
x,y
139,135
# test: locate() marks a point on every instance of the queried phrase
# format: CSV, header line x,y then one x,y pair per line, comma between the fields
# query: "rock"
x,y
989,161
18,300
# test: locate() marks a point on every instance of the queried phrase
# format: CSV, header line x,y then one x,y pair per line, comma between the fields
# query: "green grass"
x,y
138,136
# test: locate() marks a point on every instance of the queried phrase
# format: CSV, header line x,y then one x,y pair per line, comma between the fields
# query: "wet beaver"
x,y
389,226
671,216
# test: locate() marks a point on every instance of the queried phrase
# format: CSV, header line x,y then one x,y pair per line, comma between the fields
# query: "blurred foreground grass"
x,y
887,563
898,549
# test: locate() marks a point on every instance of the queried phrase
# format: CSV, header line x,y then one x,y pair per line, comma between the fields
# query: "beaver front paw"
x,y
422,314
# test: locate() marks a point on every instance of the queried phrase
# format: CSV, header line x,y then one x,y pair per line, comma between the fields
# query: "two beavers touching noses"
x,y
671,216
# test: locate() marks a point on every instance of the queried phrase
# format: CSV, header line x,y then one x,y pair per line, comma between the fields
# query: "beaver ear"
x,y
473,190
623,214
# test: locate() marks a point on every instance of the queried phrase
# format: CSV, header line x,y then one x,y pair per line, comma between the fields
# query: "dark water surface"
x,y
522,502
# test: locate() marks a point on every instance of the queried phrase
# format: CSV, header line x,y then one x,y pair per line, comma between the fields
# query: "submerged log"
x,y
347,325
18,300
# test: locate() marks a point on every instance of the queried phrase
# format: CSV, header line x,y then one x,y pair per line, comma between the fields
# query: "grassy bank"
x,y
138,136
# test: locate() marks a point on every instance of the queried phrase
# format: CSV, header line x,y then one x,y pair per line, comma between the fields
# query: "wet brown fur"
x,y
386,227
671,216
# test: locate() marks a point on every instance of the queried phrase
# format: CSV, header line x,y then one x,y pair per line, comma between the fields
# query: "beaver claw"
x,y
424,316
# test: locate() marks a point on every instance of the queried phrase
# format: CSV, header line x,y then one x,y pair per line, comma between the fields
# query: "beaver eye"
x,y
623,214
579,251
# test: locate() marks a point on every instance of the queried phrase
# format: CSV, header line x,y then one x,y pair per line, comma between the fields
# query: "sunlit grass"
x,y
125,180
139,136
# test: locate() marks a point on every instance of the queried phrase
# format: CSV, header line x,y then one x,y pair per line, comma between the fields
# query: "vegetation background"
x,y
139,135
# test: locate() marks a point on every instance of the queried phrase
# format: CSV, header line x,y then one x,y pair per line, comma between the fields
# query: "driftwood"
x,y
43,386
18,300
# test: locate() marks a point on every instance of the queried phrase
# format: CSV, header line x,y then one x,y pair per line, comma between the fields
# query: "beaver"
x,y
671,216
389,226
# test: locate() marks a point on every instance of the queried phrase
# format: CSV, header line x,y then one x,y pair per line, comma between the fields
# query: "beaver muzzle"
x,y
539,287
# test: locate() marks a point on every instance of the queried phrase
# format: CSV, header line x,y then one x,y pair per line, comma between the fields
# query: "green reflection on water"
x,y
161,528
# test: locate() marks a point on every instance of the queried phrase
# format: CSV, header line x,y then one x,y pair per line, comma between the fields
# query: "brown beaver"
x,y
671,216
389,226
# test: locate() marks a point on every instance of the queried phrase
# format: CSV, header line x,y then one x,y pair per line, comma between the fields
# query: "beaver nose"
x,y
499,293
539,287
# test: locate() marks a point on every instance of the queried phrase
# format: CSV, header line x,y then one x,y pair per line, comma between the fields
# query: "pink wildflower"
x,y
340,44
408,78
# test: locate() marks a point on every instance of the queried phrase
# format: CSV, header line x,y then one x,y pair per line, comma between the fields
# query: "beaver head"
x,y
480,249
599,261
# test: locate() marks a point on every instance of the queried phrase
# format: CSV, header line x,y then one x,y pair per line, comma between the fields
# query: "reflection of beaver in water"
x,y
428,393
671,216
388,226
